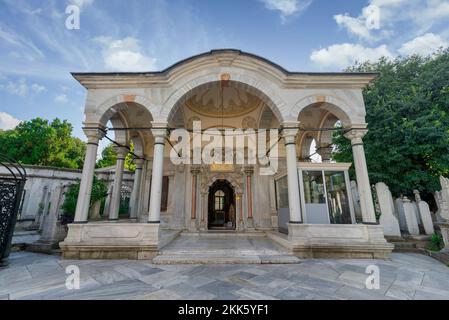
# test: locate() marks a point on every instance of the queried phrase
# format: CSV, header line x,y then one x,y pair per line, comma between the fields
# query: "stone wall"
x,y
43,181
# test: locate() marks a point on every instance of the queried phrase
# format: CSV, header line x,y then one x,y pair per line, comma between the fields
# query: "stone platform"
x,y
224,248
104,240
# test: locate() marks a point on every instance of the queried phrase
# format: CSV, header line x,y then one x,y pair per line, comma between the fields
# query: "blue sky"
x,y
37,51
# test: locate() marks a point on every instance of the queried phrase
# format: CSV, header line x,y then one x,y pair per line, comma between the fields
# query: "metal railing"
x,y
11,189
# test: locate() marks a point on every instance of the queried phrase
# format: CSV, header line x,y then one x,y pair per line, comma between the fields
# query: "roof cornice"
x,y
225,58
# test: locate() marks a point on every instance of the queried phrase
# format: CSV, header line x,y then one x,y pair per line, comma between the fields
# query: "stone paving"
x,y
404,276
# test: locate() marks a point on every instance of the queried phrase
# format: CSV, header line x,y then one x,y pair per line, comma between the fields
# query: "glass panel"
x,y
313,187
337,197
282,193
219,200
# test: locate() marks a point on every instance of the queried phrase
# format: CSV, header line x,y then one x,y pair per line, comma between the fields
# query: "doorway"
x,y
221,206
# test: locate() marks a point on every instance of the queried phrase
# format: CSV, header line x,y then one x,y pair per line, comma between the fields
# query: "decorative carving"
x,y
227,101
249,123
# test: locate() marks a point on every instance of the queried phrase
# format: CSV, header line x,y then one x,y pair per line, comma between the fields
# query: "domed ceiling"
x,y
223,101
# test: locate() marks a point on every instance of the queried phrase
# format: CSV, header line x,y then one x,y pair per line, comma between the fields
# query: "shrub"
x,y
99,191
436,242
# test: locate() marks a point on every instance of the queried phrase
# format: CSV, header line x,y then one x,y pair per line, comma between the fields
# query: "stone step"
x,y
221,259
223,252
406,247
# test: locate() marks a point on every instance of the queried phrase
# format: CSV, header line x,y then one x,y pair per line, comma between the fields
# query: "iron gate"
x,y
12,184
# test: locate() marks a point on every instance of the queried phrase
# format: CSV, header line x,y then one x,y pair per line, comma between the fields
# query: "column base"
x,y
249,223
193,225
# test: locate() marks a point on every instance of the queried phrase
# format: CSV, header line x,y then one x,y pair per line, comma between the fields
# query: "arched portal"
x,y
221,206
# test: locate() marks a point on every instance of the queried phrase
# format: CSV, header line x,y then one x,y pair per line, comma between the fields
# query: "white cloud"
x,y
434,12
356,26
125,55
346,54
37,88
19,88
81,3
61,99
287,7
423,45
22,42
418,16
7,121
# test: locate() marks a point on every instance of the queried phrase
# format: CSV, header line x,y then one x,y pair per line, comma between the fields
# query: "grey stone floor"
x,y
404,276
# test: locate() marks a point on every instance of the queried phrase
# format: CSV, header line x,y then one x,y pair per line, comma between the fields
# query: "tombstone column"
x,y
135,195
82,205
361,171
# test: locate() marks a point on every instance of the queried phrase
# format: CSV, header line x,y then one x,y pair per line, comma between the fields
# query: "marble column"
x,y
82,205
239,211
361,171
204,210
249,192
159,132
117,188
289,132
193,212
135,195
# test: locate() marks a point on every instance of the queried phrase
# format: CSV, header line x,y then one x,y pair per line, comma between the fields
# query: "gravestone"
x,y
399,206
94,212
52,230
438,201
356,201
387,219
445,198
424,214
410,217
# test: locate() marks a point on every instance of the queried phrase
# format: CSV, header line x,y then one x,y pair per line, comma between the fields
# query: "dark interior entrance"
x,y
221,206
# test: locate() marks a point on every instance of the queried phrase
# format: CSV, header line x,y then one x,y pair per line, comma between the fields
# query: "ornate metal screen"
x,y
11,188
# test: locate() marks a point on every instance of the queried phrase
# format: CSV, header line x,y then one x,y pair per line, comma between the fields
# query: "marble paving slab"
x,y
405,276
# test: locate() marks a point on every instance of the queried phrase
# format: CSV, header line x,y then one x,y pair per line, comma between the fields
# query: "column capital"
x,y
94,133
249,171
195,170
325,152
356,135
289,131
121,151
160,131
139,163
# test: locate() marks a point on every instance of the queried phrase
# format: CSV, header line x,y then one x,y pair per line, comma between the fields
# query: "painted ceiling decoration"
x,y
223,101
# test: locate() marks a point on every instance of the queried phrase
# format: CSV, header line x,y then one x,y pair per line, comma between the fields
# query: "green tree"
x,y
40,142
407,145
99,191
109,158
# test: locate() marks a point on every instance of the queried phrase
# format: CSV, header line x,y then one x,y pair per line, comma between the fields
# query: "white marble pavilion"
x,y
306,207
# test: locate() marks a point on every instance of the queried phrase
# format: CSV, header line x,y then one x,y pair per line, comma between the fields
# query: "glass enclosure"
x,y
338,202
325,197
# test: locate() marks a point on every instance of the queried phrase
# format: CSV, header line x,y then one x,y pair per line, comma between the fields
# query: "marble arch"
x,y
251,82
